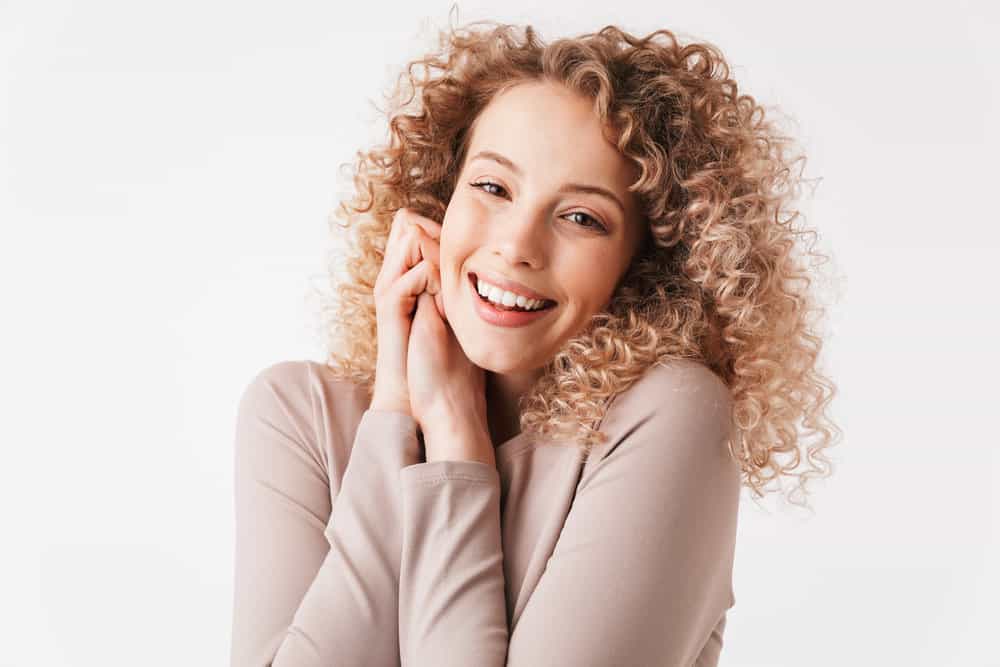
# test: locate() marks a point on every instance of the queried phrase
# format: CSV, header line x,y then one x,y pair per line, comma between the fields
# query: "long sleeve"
x,y
640,574
316,581
452,609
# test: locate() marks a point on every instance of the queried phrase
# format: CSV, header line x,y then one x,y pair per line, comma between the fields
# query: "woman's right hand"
x,y
410,266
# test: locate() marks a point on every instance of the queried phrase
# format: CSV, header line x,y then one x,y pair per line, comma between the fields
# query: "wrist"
x,y
451,439
389,405
452,415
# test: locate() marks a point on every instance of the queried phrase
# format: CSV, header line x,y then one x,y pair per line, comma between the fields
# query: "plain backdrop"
x,y
167,171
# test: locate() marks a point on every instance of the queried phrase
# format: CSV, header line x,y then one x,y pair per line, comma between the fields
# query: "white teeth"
x,y
508,299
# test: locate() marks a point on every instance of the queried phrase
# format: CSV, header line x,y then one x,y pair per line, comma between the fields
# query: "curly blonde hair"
x,y
716,280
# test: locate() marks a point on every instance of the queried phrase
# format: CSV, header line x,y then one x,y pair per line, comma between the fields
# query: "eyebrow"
x,y
568,187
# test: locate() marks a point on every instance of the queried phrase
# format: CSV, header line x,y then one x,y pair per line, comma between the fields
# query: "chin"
x,y
490,357
482,357
496,361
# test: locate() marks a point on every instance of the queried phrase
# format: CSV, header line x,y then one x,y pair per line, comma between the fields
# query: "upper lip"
x,y
508,284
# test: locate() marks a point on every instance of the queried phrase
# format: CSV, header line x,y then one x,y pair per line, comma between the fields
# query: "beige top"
x,y
351,550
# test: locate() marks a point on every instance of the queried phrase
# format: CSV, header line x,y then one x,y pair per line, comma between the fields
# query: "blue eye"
x,y
594,223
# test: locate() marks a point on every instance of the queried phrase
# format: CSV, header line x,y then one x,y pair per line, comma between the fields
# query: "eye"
x,y
593,224
483,184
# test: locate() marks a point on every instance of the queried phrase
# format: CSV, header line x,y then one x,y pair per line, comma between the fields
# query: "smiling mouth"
x,y
547,305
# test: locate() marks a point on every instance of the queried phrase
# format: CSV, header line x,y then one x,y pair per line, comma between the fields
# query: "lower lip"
x,y
505,318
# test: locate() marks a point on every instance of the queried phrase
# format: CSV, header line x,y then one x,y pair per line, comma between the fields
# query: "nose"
x,y
520,237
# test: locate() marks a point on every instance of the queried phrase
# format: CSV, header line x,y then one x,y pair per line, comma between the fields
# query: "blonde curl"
x,y
723,276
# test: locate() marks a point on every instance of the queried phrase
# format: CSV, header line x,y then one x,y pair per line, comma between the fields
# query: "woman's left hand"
x,y
447,391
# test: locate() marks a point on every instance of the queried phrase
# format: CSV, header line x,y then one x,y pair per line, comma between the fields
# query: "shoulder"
x,y
299,404
683,376
286,382
298,379
667,458
288,372
677,411
680,391
302,391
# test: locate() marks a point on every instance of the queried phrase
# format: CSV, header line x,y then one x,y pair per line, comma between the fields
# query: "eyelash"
x,y
597,226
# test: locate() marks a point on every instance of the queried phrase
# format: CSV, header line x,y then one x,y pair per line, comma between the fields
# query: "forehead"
x,y
553,134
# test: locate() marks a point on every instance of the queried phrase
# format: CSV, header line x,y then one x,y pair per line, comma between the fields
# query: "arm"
x,y
452,609
311,590
641,573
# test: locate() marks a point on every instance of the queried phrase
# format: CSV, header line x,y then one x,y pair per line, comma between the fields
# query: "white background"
x,y
166,175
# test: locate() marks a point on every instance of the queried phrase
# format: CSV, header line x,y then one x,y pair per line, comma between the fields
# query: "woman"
x,y
463,484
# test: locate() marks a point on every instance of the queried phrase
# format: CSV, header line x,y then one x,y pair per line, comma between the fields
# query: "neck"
x,y
503,391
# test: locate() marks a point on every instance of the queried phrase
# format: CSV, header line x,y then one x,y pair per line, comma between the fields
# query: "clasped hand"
x,y
447,393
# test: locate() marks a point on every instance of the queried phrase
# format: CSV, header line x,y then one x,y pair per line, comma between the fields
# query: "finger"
x,y
413,283
415,230
404,218
409,243
426,303
435,279
396,227
402,255
431,227
430,249
433,284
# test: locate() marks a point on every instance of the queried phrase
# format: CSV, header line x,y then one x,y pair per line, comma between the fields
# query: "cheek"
x,y
447,245
453,254
467,212
458,238
589,290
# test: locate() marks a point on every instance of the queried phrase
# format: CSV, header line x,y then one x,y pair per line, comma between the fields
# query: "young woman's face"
x,y
516,214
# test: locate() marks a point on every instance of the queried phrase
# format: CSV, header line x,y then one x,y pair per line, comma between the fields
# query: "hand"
x,y
447,391
409,268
